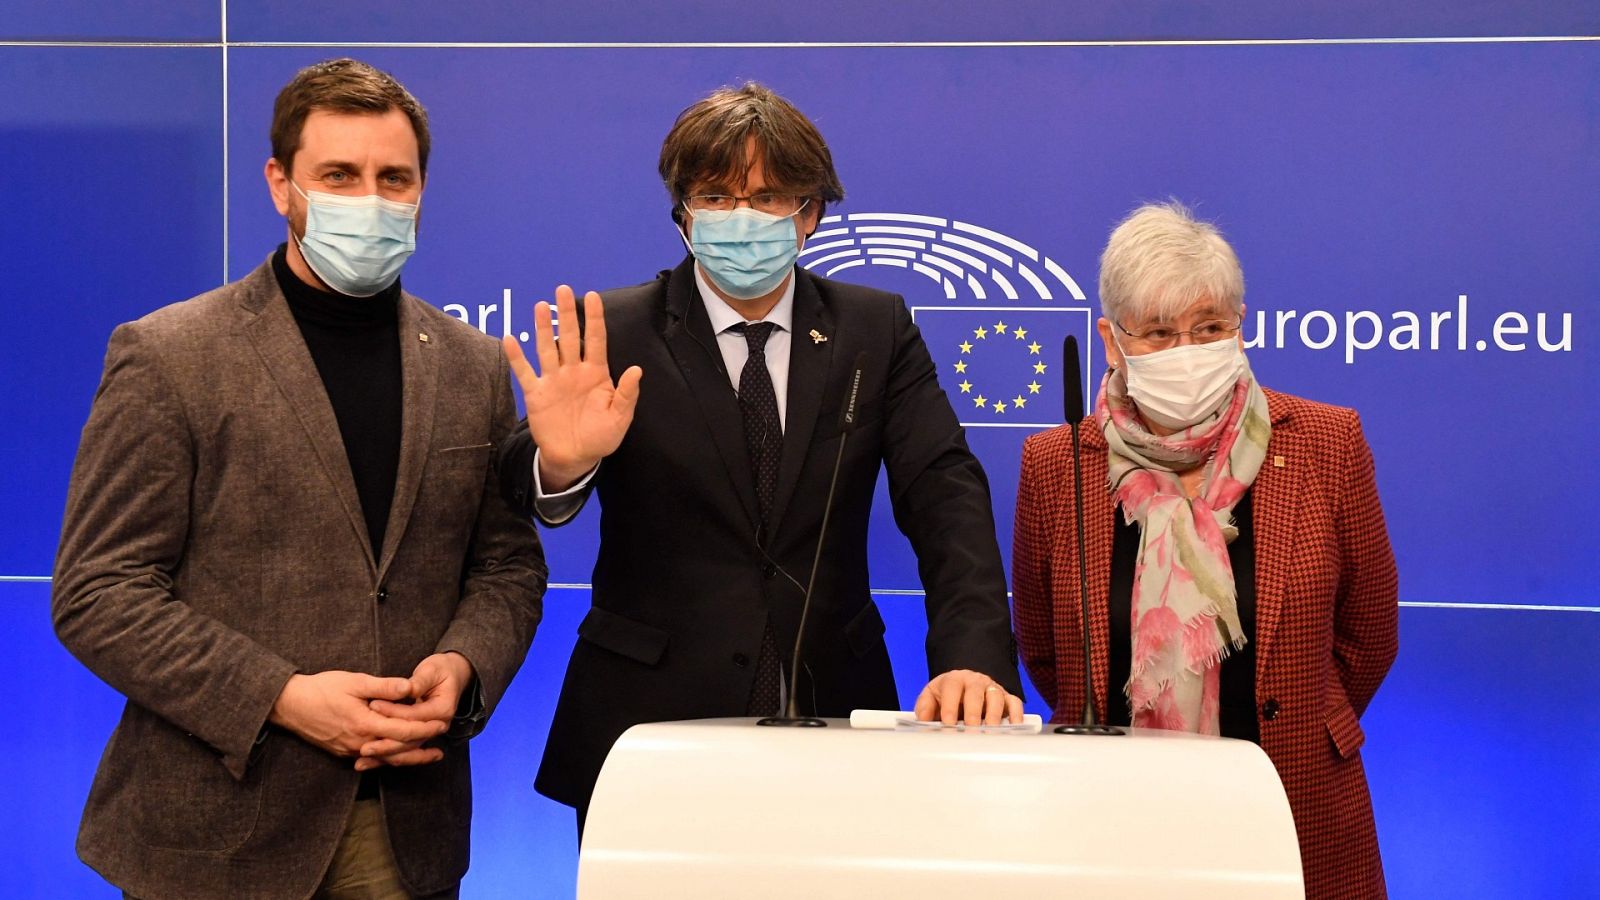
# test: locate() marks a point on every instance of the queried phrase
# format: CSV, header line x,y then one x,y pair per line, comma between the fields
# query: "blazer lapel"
x,y
419,369
282,350
1099,528
688,336
1275,506
809,361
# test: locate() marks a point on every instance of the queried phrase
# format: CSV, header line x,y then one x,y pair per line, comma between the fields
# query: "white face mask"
x,y
1180,386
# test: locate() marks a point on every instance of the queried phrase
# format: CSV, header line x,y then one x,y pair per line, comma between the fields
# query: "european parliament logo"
x,y
993,310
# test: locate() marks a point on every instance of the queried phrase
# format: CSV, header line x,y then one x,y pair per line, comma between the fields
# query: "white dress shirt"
x,y
736,350
559,507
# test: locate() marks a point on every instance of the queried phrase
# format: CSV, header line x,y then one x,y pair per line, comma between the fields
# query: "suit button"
x,y
383,594
769,571
740,660
1269,710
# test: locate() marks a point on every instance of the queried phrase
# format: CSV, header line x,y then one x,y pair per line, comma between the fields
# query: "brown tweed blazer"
x,y
213,545
1327,617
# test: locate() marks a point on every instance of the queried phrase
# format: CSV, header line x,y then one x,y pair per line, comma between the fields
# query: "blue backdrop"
x,y
1412,191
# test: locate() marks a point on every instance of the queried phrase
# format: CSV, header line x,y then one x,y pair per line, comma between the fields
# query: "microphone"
x,y
1072,383
847,423
1072,387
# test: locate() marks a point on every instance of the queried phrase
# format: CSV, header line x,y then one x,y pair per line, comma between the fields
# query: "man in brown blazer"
x,y
285,543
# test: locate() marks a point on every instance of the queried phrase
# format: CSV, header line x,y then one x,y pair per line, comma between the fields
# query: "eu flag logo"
x,y
1002,366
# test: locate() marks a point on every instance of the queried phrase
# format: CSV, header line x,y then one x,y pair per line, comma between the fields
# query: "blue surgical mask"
x,y
748,253
357,245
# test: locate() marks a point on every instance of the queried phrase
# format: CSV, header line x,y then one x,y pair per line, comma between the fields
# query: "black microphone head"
x,y
852,394
1072,380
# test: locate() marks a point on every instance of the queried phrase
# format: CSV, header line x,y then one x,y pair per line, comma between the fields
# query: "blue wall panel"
x,y
111,20
65,714
1360,182
1480,752
360,21
114,207
1365,178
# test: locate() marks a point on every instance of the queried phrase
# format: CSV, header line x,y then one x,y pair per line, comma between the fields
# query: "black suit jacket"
x,y
683,590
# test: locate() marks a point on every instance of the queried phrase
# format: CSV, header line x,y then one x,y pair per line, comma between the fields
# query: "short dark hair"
x,y
341,85
709,140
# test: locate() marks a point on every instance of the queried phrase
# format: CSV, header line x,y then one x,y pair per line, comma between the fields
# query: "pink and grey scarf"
x,y
1185,612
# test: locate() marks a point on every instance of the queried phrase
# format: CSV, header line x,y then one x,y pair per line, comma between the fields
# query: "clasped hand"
x,y
380,721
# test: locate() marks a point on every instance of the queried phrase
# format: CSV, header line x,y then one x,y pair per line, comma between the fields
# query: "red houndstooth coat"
x,y
1326,614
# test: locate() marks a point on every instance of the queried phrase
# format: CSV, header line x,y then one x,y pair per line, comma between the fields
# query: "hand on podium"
x,y
967,697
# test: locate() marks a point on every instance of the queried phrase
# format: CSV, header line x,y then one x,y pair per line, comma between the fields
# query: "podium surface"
x,y
725,808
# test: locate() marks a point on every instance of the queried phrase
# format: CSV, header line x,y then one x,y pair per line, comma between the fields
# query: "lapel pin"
x,y
424,338
1277,462
818,337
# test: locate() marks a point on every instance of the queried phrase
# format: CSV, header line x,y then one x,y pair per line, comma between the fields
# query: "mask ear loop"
x,y
307,198
677,226
299,246
1111,366
802,238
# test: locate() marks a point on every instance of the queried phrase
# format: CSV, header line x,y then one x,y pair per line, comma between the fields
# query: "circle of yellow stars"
x,y
999,330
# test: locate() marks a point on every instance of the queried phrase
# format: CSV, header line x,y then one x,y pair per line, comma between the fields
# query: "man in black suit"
x,y
716,467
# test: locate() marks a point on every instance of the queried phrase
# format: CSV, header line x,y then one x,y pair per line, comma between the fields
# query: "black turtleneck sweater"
x,y
355,343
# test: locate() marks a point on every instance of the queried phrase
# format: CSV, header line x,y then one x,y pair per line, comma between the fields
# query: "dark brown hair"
x,y
347,86
709,139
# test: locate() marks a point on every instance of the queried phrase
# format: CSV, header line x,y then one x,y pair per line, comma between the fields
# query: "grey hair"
x,y
1160,260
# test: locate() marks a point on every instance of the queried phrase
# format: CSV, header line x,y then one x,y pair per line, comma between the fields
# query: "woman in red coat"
x,y
1240,577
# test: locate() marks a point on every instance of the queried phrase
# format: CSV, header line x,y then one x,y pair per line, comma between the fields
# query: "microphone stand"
x,y
847,420
1074,410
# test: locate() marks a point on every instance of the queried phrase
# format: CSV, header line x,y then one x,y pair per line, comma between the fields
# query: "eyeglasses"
x,y
1160,337
718,207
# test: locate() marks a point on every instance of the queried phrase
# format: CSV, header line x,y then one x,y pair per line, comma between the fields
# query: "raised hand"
x,y
576,415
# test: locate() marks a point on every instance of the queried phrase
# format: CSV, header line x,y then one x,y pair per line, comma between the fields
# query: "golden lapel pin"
x,y
424,338
1277,462
818,337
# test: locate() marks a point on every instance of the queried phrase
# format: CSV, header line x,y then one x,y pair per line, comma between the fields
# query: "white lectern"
x,y
724,808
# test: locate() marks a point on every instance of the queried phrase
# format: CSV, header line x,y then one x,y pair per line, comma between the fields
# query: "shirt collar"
x,y
724,316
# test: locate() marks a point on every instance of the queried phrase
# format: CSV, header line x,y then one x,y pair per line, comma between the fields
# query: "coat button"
x,y
769,571
1269,710
383,594
740,660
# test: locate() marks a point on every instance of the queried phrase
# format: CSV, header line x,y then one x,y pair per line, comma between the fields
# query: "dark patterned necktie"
x,y
763,437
